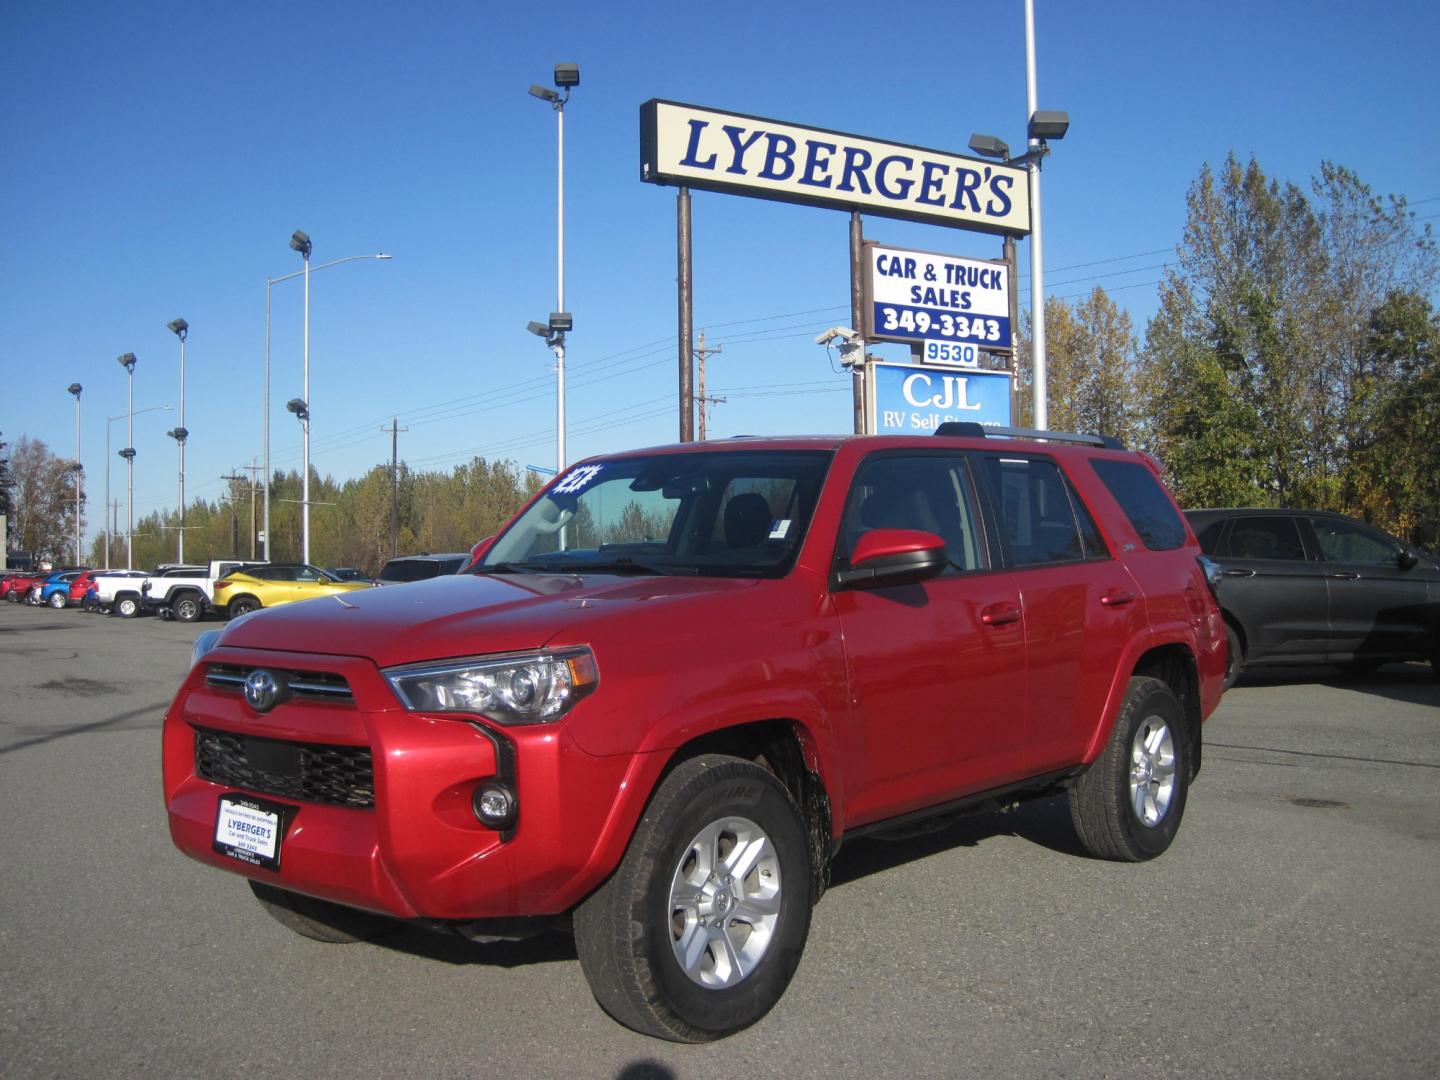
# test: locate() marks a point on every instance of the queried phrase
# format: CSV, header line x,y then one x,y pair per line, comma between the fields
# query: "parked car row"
x,y
224,587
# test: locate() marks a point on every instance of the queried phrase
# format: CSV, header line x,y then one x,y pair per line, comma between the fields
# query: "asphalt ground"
x,y
1290,931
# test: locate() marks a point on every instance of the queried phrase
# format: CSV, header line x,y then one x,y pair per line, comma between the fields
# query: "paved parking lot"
x,y
1291,931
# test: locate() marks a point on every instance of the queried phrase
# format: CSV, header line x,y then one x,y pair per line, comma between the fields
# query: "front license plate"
x,y
250,830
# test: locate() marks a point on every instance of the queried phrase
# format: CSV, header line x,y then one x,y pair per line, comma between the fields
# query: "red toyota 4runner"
x,y
680,677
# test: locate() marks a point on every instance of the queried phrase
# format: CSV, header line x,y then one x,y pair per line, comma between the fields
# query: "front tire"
x,y
320,920
243,605
1127,806
700,930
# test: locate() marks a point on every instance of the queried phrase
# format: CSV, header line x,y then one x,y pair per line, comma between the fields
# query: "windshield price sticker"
x,y
578,480
249,830
951,352
915,296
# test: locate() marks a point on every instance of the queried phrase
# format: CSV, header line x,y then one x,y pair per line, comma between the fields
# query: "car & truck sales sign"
x,y
687,145
919,296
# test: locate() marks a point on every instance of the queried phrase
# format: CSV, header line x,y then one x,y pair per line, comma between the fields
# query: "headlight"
x,y
203,644
532,688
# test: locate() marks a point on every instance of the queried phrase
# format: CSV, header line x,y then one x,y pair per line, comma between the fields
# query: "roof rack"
x,y
969,429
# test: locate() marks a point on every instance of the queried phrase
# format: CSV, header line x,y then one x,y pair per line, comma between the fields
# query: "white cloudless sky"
x,y
155,158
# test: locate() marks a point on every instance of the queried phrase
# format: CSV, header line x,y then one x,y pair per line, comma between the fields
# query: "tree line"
x,y
1294,361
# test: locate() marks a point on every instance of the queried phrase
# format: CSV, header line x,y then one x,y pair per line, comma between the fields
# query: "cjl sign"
x,y
907,400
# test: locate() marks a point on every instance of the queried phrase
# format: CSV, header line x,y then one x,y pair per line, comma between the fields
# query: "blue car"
x,y
55,589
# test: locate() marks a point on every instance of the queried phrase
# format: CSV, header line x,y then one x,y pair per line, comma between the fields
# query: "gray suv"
x,y
419,567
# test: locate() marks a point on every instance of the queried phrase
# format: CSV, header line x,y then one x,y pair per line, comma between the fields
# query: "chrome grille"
x,y
311,772
313,685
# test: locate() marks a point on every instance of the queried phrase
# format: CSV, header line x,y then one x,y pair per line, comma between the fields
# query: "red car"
x,y
680,678
15,588
80,585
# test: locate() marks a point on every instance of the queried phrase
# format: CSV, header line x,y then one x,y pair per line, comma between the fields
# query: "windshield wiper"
x,y
517,568
633,566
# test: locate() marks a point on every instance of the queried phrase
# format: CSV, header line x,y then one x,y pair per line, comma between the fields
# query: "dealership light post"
x,y
301,243
77,468
181,329
1042,126
109,534
567,76
128,363
269,282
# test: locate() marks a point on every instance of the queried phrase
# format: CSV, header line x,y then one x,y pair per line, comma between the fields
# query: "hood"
x,y
457,614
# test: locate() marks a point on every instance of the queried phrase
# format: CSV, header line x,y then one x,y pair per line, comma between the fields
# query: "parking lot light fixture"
x,y
75,388
268,283
127,361
181,329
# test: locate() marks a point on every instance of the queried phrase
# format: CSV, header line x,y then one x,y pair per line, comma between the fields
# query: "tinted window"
x,y
922,492
401,570
1344,541
1144,501
1264,538
1209,536
1039,519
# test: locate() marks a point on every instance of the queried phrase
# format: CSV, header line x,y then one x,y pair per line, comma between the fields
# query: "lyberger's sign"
x,y
768,159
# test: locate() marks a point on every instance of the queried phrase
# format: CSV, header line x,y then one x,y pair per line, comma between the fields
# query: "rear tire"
x,y
1127,806
127,607
1234,657
187,608
58,600
700,929
320,920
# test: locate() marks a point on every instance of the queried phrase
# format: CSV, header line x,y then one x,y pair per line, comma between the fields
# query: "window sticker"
x,y
578,480
779,529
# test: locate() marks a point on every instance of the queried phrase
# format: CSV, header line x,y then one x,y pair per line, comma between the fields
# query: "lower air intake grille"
x,y
313,772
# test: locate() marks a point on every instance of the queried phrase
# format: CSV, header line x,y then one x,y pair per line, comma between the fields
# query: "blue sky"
x,y
157,156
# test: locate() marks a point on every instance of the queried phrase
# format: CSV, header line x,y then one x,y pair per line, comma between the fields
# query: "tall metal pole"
x,y
181,329
268,283
687,315
560,286
1037,259
109,535
130,480
75,389
857,315
305,394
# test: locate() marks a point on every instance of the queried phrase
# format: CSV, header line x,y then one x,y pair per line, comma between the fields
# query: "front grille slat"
x,y
314,685
310,772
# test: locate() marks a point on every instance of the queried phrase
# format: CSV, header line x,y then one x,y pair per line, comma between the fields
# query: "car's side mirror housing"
x,y
893,557
1408,560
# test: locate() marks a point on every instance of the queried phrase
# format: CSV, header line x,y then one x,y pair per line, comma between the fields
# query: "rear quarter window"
x,y
1144,502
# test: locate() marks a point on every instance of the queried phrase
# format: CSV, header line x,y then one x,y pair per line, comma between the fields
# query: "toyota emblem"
x,y
262,690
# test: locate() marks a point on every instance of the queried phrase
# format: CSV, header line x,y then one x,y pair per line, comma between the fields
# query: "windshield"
x,y
731,513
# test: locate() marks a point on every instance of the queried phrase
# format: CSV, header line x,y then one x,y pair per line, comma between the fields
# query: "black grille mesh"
x,y
313,772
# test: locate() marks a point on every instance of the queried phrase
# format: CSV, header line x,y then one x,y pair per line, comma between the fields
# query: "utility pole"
x,y
253,468
702,399
234,520
394,429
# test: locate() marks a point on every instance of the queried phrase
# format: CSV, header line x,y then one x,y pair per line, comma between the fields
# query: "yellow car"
x,y
269,586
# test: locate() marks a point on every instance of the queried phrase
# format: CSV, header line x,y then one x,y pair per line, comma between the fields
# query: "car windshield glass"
x,y
731,513
409,570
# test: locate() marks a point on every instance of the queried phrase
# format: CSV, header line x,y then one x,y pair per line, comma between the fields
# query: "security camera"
x,y
843,332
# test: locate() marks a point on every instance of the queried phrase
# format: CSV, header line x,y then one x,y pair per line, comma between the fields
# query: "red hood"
x,y
457,614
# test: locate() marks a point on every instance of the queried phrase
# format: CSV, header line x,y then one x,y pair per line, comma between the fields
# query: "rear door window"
x,y
1040,518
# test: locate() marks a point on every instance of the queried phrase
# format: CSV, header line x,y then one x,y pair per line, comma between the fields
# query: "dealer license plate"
x,y
250,830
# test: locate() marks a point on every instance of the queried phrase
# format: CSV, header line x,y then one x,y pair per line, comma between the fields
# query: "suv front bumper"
x,y
380,799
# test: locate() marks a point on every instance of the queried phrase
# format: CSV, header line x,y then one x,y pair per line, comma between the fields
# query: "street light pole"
x,y
301,243
75,389
181,329
109,532
1037,259
567,76
127,361
268,283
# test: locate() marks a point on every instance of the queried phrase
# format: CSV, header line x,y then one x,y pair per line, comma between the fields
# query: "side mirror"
x,y
893,557
1408,560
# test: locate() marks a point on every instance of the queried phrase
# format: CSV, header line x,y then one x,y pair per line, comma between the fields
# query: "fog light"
x,y
495,806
